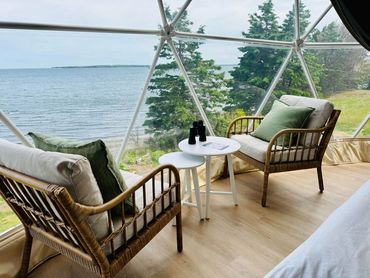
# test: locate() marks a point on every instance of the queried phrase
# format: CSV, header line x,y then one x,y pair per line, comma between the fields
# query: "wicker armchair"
x,y
50,215
288,155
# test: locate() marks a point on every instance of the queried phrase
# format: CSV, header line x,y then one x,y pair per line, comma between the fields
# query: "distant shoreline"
x,y
96,66
102,66
117,66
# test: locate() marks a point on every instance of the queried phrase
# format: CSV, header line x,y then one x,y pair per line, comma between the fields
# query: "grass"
x,y
7,218
355,106
141,160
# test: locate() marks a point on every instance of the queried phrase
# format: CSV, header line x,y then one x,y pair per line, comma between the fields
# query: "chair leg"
x,y
179,232
265,185
26,254
321,182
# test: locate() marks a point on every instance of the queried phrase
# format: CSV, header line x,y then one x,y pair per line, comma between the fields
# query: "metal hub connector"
x,y
168,30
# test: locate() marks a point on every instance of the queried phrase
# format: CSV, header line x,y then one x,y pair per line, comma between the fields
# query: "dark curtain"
x,y
356,17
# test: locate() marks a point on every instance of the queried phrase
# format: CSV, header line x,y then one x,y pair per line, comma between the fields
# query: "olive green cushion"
x,y
105,170
282,116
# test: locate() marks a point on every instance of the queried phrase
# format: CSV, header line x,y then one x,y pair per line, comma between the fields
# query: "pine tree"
x,y
341,65
171,108
258,65
293,80
287,27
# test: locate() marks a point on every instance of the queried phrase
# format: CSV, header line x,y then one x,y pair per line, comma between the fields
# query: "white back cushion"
x,y
68,170
319,116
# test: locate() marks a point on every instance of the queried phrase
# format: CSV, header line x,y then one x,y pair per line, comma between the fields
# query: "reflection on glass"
x,y
344,79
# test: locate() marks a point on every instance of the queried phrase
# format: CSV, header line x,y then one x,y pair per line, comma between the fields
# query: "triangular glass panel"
x,y
74,85
164,119
111,13
330,28
292,82
231,79
344,79
262,20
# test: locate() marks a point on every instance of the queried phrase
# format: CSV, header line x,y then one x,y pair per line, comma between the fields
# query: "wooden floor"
x,y
239,241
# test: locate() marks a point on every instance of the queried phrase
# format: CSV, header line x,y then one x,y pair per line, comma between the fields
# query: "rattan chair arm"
x,y
290,131
233,123
326,132
91,210
247,117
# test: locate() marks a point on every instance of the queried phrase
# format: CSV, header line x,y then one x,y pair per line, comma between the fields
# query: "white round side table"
x,y
189,163
214,146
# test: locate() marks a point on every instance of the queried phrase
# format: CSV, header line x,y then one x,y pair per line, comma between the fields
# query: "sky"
x,y
36,49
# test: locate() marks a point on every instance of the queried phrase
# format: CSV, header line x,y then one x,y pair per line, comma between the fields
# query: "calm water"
x,y
76,103
80,103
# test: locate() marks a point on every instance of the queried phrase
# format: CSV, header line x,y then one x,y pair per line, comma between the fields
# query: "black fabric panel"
x,y
356,17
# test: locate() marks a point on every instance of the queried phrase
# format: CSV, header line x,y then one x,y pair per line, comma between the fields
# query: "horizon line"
x,y
93,66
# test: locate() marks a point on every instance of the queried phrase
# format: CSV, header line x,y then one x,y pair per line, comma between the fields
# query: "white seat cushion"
x,y
318,117
252,146
257,149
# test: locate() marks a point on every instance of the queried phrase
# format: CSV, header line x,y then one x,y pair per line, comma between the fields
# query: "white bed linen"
x,y
340,247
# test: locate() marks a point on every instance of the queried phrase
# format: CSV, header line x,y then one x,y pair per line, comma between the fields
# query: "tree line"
x,y
171,109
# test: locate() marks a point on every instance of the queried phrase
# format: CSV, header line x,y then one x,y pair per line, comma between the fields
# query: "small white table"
x,y
208,149
187,162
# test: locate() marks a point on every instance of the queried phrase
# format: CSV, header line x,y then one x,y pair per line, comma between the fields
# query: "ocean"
x,y
77,103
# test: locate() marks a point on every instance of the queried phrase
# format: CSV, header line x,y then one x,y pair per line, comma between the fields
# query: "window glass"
x,y
293,81
167,114
316,9
78,86
111,13
344,80
232,79
365,131
7,217
236,17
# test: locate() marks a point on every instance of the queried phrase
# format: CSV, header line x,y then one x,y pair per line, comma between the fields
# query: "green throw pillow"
x,y
104,168
282,116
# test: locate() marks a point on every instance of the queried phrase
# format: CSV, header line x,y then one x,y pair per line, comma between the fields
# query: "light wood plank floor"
x,y
239,241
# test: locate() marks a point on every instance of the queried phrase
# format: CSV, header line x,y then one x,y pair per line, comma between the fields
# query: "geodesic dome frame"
x,y
167,31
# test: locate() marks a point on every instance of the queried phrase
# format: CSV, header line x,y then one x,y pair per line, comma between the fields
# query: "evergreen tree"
x,y
341,65
293,80
171,108
287,27
257,66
